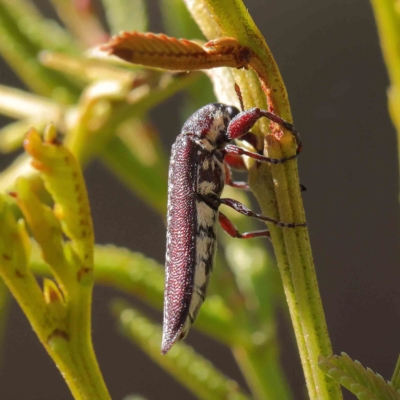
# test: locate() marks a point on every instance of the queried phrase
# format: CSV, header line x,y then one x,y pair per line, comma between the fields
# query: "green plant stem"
x,y
387,16
81,347
292,246
74,354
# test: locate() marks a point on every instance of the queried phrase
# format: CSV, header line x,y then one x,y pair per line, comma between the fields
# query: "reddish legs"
x,y
214,203
242,209
230,182
244,121
232,149
232,161
230,229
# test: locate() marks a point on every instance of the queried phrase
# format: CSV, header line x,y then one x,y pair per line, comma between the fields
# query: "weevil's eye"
x,y
232,111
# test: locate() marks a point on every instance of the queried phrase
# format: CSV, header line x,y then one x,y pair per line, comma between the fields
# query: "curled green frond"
x,y
64,180
45,226
60,313
14,260
183,363
364,383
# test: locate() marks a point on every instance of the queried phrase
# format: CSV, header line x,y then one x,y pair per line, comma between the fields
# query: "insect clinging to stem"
x,y
197,175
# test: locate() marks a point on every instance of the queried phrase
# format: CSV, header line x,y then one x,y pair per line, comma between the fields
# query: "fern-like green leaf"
x,y
362,382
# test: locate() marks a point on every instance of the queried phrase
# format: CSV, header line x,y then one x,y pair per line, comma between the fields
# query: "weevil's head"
x,y
211,123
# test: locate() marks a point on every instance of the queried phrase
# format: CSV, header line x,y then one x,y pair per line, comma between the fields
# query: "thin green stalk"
x,y
292,246
387,16
21,52
262,371
257,353
189,368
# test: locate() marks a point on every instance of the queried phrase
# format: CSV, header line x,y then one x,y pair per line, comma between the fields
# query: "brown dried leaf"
x,y
165,52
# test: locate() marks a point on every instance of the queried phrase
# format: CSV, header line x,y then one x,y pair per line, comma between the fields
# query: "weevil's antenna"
x,y
239,95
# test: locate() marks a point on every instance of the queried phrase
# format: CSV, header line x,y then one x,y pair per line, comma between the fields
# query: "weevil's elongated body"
x,y
196,181
196,170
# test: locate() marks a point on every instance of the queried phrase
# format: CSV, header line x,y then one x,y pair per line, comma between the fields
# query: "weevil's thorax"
x,y
210,124
207,129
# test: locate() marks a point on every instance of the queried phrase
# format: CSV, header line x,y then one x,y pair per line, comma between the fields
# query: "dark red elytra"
x,y
197,174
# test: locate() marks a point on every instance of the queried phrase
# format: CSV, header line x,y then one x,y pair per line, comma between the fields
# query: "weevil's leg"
x,y
242,124
236,162
214,203
230,182
242,209
231,149
230,229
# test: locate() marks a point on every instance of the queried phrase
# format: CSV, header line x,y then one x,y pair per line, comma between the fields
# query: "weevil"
x,y
197,175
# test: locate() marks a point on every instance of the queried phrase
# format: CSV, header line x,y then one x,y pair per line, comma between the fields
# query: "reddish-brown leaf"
x,y
165,52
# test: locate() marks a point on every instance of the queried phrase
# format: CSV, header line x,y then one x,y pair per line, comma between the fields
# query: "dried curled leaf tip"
x,y
166,52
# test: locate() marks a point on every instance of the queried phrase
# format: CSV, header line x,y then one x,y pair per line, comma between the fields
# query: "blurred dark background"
x,y
329,56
